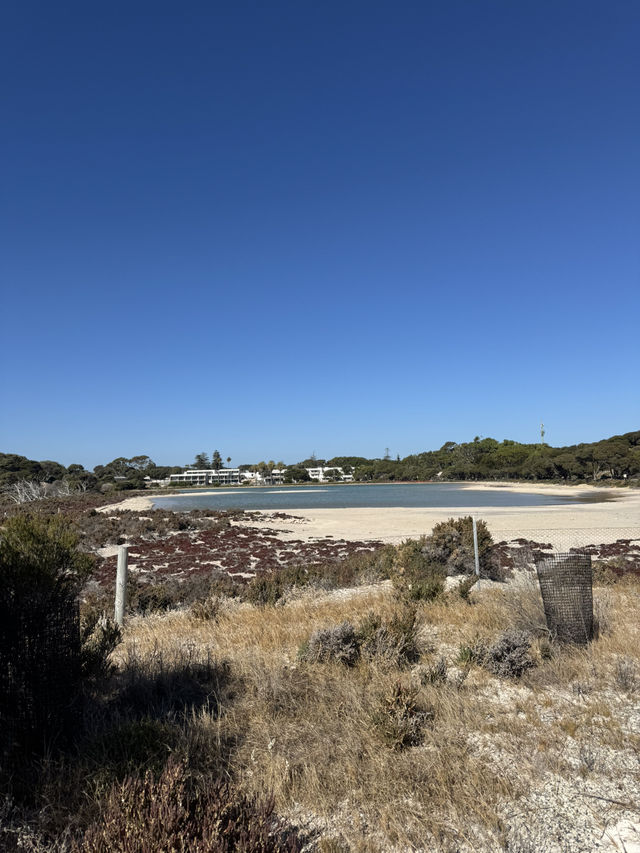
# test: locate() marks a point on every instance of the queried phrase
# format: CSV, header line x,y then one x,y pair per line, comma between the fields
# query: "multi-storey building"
x,y
320,473
206,477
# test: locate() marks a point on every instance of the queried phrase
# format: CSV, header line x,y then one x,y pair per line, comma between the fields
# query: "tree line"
x,y
616,458
123,472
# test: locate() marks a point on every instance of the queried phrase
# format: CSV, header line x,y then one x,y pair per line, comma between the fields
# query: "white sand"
x,y
565,525
139,503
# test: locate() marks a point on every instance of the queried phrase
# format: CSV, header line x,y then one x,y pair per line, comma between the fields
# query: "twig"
x,y
629,806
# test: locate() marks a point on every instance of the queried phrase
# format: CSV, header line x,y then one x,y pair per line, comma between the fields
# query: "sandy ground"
x,y
565,525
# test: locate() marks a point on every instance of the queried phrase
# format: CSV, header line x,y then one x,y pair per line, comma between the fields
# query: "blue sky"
x,y
285,228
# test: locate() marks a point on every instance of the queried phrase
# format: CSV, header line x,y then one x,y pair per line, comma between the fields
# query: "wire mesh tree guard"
x,y
566,585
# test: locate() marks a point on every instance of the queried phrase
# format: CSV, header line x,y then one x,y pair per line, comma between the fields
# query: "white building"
x,y
266,478
206,477
226,477
320,473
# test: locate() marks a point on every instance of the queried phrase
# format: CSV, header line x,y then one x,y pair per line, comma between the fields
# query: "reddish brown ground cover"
x,y
235,551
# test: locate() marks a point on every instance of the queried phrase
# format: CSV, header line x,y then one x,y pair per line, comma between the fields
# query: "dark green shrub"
x,y
339,643
269,588
425,590
183,813
416,576
450,545
465,587
400,718
40,553
157,597
41,571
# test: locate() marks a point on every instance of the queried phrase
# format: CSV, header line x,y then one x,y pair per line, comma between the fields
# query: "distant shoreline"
x,y
609,519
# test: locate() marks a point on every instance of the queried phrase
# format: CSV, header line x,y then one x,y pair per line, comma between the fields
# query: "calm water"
x,y
330,497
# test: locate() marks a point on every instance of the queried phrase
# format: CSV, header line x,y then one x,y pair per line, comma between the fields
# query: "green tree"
x,y
216,460
201,461
141,463
296,474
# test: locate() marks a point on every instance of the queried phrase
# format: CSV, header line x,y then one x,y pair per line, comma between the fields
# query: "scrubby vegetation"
x,y
342,718
420,566
179,811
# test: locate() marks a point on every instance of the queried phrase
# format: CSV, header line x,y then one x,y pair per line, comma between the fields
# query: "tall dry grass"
x,y
231,696
306,731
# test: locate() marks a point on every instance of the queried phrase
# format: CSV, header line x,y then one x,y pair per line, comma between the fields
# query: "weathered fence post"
x,y
475,546
121,583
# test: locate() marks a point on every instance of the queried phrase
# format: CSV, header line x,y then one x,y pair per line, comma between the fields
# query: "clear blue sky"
x,y
278,228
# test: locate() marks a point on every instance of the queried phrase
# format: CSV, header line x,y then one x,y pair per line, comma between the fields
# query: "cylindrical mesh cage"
x,y
567,595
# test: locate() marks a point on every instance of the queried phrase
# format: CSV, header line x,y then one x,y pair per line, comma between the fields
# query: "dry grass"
x,y
487,759
305,732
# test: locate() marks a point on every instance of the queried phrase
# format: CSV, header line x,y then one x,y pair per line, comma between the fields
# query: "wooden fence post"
x,y
475,546
121,583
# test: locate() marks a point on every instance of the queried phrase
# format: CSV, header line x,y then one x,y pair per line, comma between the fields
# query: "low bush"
x,y
339,643
468,654
367,566
415,576
465,587
146,597
627,675
207,610
99,636
400,718
393,640
40,553
508,657
450,546
41,571
436,674
157,597
182,812
269,588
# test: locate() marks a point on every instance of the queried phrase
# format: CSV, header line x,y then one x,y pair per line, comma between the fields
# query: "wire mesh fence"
x,y
617,548
39,672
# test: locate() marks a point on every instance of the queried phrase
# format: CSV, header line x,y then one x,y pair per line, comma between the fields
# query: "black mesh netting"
x,y
567,595
39,672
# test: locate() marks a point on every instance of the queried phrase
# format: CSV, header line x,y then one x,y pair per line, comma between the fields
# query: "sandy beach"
x,y
565,525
